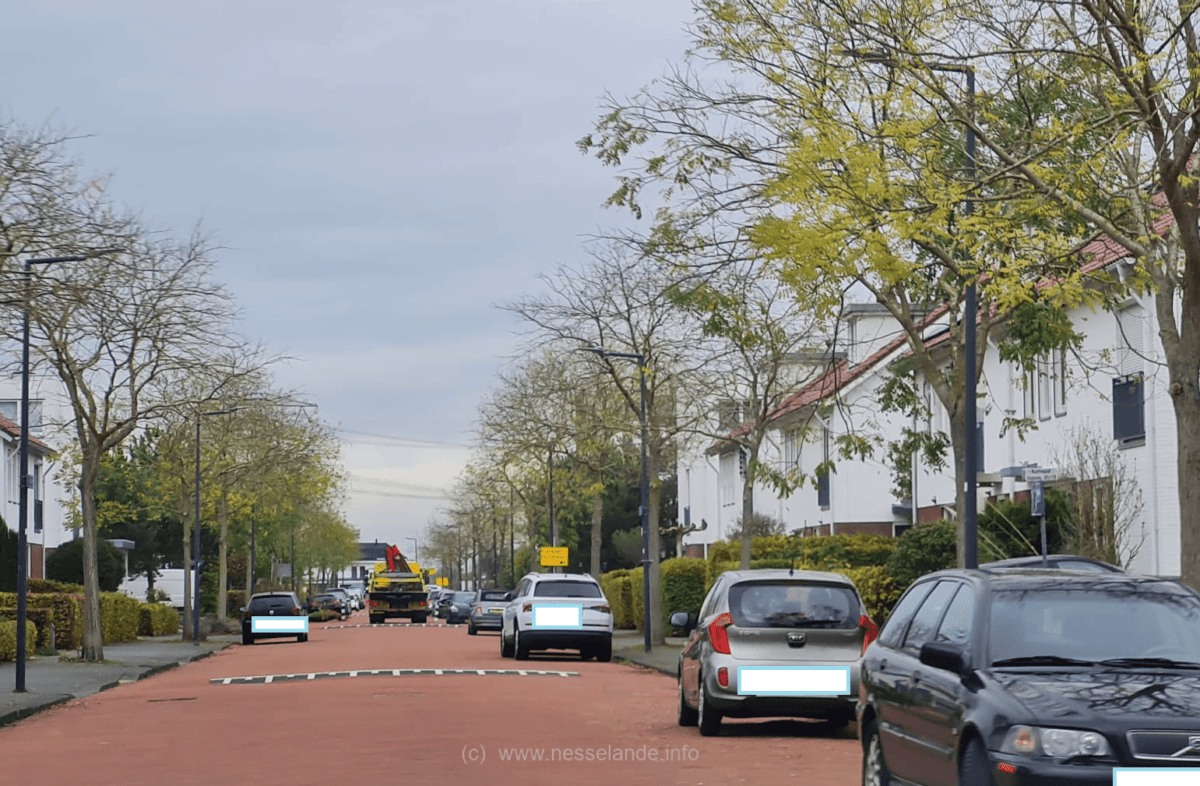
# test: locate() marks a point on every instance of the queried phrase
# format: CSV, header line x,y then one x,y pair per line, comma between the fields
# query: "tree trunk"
x,y
747,509
93,635
223,558
597,532
1184,370
654,460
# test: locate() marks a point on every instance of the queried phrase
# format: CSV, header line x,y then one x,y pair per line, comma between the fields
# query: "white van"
x,y
169,580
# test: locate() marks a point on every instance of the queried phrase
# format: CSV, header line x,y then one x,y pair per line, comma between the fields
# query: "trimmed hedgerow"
x,y
616,588
120,617
66,611
157,619
683,586
8,639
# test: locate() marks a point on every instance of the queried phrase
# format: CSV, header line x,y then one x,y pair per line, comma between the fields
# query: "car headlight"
x,y
1056,743
454,608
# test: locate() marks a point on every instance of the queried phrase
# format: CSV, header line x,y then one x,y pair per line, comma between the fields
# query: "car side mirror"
x,y
508,596
243,608
943,655
681,619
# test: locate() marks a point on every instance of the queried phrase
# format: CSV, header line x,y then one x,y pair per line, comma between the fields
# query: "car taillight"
x,y
872,632
422,603
723,677
718,635
527,607
479,609
602,609
295,610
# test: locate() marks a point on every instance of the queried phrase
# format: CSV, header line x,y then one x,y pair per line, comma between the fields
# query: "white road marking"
x,y
272,678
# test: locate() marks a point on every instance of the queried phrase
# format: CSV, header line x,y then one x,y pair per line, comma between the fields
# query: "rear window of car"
x,y
492,596
464,597
272,602
567,589
793,605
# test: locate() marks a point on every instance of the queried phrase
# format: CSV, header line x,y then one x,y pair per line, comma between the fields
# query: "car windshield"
x,y
567,589
1095,622
493,595
783,604
271,603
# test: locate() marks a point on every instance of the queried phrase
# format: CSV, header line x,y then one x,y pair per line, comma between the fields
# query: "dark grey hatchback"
x,y
1024,676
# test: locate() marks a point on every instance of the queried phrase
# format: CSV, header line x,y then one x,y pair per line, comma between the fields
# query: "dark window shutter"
x,y
823,490
37,515
979,465
1129,413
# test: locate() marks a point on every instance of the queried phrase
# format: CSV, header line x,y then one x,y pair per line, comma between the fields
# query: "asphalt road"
x,y
324,718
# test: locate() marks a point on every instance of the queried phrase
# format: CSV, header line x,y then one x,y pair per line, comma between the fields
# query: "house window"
x,y
12,410
1030,393
823,477
1129,413
792,440
1043,389
728,476
1129,341
1058,362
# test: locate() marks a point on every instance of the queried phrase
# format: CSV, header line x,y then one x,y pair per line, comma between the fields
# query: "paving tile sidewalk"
x,y
630,645
49,681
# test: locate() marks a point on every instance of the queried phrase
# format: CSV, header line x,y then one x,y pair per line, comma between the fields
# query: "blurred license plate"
x,y
795,681
495,611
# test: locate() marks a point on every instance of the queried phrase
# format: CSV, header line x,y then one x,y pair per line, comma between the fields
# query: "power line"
x,y
408,442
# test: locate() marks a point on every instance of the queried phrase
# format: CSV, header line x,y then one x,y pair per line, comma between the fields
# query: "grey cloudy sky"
x,y
381,172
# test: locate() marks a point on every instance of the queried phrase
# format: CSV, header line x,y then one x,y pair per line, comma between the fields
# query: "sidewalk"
x,y
630,645
49,681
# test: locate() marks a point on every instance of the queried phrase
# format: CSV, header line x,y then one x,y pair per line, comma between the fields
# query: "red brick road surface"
x,y
178,728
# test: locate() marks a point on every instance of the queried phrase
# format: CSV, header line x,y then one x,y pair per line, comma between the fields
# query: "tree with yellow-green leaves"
x,y
831,140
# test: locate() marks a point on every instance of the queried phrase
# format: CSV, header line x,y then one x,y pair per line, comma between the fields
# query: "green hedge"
x,y
8,639
616,587
38,618
157,619
636,593
878,590
120,617
683,586
43,586
66,611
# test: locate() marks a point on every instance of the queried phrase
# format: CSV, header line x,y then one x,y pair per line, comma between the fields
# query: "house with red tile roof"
x,y
42,498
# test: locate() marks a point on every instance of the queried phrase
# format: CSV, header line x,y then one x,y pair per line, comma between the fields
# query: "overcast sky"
x,y
382,173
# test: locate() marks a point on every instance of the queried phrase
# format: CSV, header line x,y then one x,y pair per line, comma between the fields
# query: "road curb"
x,y
670,672
22,713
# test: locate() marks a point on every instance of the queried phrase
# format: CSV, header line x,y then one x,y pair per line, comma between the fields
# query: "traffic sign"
x,y
1037,500
1043,474
554,556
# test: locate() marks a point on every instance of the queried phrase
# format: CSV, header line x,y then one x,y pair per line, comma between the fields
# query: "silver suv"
x,y
771,643
557,611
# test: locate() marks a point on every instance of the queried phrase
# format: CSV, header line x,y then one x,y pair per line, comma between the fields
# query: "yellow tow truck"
x,y
397,590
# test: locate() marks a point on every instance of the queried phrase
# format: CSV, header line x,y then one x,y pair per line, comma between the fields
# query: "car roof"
x,y
1035,561
775,574
1048,578
279,594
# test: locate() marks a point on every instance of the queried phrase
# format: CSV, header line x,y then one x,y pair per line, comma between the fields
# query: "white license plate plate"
x,y
794,681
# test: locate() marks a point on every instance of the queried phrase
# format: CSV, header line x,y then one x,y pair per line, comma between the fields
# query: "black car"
x,y
327,601
1059,561
1031,676
456,606
274,604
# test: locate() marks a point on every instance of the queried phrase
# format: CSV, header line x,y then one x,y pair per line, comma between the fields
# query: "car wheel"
x,y
376,619
506,648
247,639
875,771
973,767
419,619
471,629
707,718
520,652
604,651
687,715
303,637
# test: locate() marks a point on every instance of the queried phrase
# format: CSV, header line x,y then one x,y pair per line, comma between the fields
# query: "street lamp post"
x,y
645,482
23,461
970,316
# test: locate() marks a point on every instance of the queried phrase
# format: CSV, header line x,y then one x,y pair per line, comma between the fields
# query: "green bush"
x,y
234,601
66,564
324,615
44,586
41,619
878,590
1008,529
120,617
66,613
157,619
923,549
636,593
683,586
616,588
8,639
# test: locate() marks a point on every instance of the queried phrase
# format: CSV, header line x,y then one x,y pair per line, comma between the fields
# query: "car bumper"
x,y
564,639
271,635
487,621
1047,773
729,701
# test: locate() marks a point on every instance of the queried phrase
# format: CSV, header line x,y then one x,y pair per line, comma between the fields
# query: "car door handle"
x,y
916,676
883,665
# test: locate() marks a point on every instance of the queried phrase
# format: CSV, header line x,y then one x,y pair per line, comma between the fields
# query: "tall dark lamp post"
x,y
23,460
645,511
970,316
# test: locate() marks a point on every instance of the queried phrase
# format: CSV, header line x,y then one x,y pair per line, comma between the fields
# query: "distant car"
x,y
358,593
487,610
347,599
771,643
1006,677
457,607
435,595
271,604
327,601
557,611
1058,561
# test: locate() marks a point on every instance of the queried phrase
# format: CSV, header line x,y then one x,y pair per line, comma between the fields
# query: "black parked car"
x,y
456,606
1060,561
1005,676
